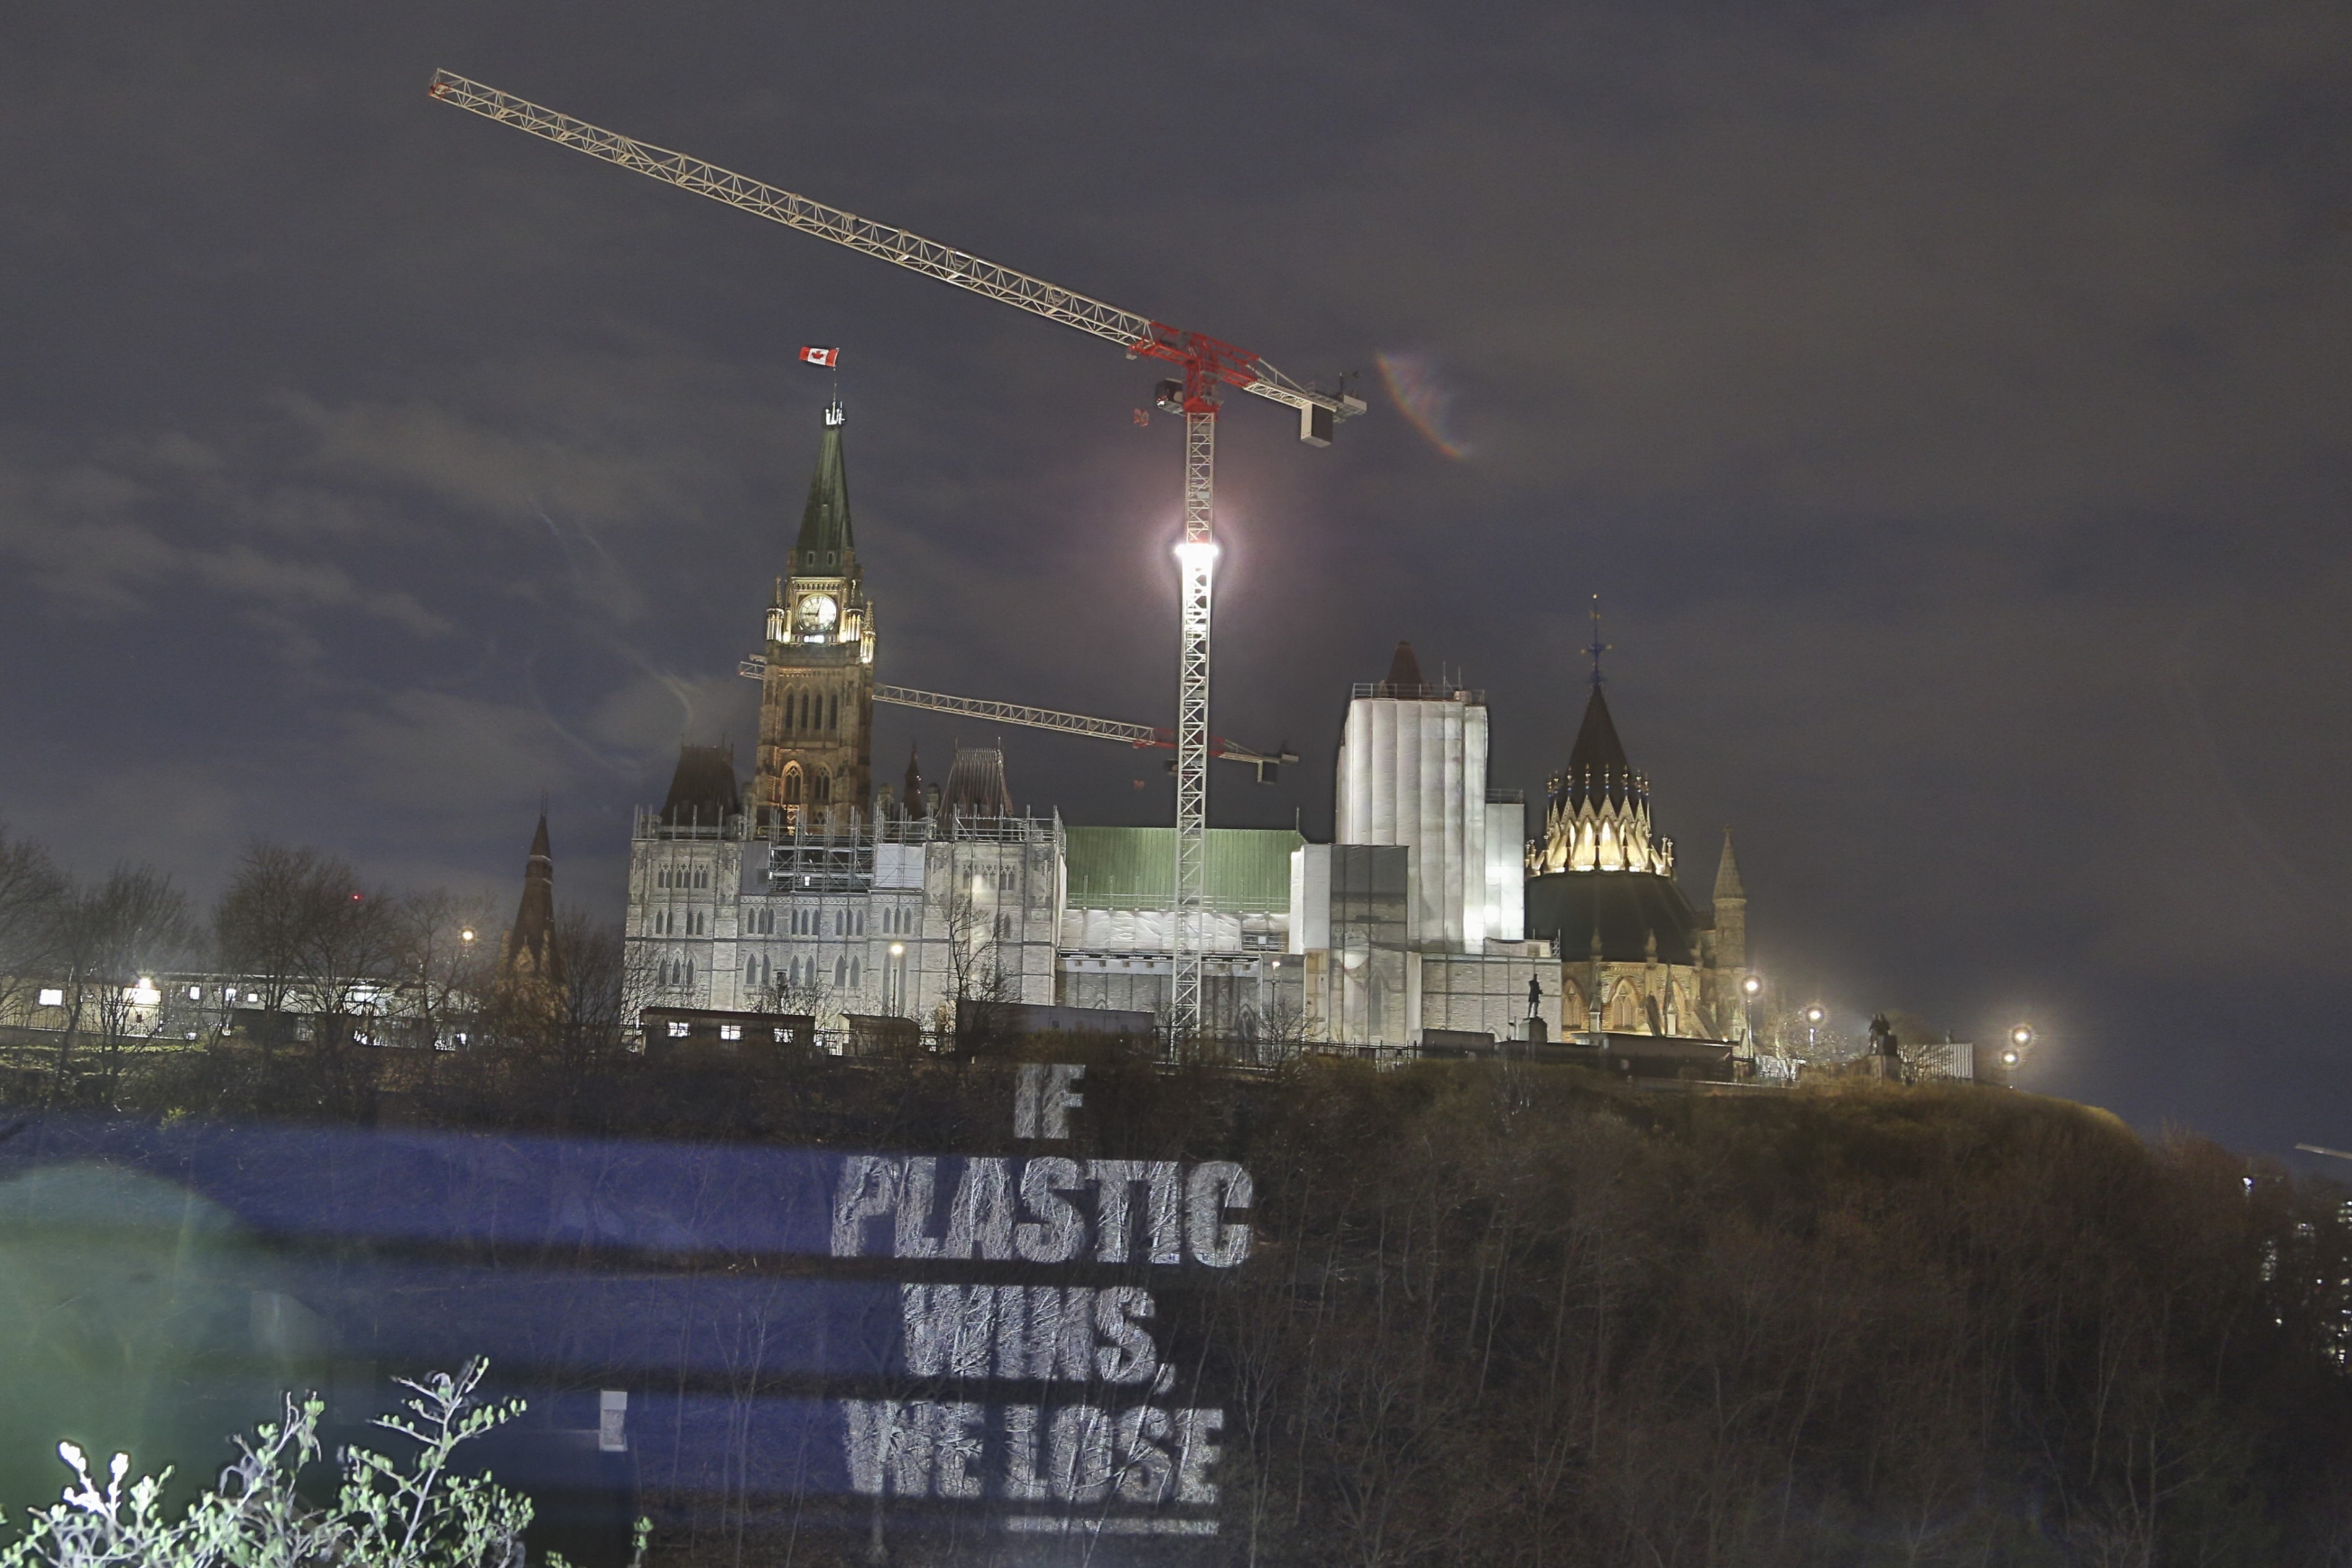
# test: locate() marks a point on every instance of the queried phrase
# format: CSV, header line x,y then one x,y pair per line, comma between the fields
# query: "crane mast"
x,y
1207,365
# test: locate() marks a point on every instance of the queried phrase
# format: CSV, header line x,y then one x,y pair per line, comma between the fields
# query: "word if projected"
x,y
1110,1445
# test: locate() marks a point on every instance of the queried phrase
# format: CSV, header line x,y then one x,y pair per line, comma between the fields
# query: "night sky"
x,y
1948,401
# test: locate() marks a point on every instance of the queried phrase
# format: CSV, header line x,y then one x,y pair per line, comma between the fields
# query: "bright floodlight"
x,y
2021,1035
2009,1059
467,935
1751,985
1197,553
1814,1015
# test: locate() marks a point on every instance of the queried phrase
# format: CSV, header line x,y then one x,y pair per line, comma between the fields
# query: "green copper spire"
x,y
826,543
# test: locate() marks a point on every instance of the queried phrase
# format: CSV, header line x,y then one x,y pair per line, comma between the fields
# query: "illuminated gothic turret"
x,y
1599,815
1636,957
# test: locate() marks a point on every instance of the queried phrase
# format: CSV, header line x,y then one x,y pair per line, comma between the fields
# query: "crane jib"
x,y
1138,334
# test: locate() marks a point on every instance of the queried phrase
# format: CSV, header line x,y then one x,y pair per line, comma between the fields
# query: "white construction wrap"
x,y
1412,772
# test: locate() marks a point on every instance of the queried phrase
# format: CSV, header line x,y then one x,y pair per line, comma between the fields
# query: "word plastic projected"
x,y
1096,1453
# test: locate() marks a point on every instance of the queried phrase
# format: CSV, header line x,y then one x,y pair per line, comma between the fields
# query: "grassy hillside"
x,y
1526,1316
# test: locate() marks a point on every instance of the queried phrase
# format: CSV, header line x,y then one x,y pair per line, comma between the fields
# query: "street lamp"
x,y
1813,1016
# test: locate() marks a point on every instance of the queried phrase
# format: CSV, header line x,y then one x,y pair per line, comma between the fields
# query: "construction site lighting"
x,y
1197,553
2021,1035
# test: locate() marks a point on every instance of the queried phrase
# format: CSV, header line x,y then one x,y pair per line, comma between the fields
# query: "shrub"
x,y
387,1513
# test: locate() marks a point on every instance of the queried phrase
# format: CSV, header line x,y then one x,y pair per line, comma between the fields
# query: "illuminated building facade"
x,y
1430,916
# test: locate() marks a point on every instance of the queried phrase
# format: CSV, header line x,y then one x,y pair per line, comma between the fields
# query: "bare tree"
x,y
115,934
300,929
447,950
594,988
33,907
257,926
809,997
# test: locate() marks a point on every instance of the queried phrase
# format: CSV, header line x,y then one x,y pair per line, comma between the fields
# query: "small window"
x,y
841,971
196,993
677,1029
730,1032
52,997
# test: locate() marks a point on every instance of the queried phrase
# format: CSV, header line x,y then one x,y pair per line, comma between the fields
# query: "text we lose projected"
x,y
1051,1394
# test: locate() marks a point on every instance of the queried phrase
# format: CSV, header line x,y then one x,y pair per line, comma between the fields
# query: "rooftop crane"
x,y
1208,366
1141,736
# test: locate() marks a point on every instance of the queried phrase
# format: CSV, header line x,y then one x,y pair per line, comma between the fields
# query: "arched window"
x,y
792,786
823,787
1626,1015
841,971
1572,1016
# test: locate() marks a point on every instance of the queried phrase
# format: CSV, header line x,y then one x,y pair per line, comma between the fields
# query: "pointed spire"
x,y
1598,752
1596,647
825,538
1404,670
976,784
529,952
1726,874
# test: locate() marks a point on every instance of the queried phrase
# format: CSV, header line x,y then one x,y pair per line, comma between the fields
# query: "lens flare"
x,y
1427,402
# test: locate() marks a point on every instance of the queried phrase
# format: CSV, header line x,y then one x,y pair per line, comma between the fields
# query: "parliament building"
x,y
1432,920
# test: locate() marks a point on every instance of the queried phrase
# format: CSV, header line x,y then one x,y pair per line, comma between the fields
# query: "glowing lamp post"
x,y
1813,1016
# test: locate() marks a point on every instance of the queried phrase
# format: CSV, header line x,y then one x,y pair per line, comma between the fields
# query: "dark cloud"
x,y
1946,401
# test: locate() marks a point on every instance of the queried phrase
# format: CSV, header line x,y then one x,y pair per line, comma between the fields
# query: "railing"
x,y
1474,696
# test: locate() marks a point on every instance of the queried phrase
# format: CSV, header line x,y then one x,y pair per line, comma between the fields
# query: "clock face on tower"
x,y
816,614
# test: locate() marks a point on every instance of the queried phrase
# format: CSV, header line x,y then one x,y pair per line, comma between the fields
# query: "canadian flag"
x,y
821,356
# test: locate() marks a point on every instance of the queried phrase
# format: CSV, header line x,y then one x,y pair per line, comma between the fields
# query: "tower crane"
x,y
1142,736
1208,366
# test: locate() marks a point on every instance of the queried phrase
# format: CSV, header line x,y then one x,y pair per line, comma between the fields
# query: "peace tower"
x,y
817,700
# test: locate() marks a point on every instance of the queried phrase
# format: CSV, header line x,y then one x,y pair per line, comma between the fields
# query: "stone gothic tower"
x,y
1635,957
1730,911
528,955
816,703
